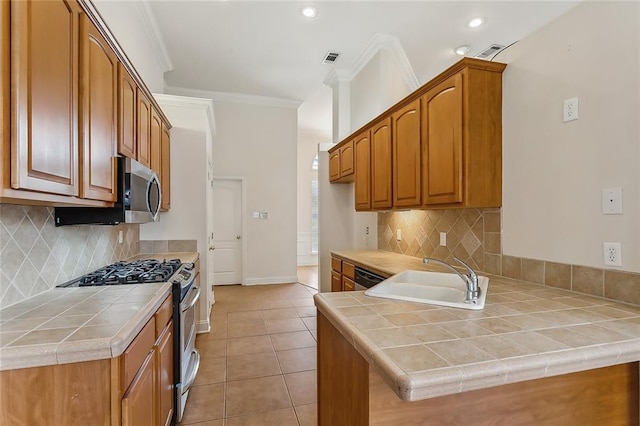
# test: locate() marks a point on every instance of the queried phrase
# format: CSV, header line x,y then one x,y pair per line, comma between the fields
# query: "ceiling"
x,y
267,48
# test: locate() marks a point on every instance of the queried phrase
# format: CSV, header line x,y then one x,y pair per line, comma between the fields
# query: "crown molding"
x,y
238,98
377,43
336,76
189,102
151,28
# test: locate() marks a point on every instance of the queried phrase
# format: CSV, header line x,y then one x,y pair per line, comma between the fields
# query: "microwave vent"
x,y
490,51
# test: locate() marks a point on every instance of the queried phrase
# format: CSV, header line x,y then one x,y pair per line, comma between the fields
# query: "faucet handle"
x,y
472,273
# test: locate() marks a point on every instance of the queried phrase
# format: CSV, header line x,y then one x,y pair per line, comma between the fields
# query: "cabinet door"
x,y
347,284
165,167
44,96
336,281
346,159
156,142
406,155
127,106
144,131
362,149
334,165
442,143
99,68
139,402
381,176
164,354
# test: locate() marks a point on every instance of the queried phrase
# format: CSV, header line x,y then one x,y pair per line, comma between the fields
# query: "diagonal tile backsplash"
x,y
36,256
473,235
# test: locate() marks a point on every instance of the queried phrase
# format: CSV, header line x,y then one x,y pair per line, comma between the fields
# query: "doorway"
x,y
227,231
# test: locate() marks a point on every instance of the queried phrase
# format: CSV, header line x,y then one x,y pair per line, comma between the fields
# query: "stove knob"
x,y
188,266
176,281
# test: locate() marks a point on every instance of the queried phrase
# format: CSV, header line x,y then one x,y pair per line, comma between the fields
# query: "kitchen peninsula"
x,y
534,355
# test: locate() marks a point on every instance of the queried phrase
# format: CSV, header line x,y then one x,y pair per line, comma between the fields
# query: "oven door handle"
x,y
195,295
194,372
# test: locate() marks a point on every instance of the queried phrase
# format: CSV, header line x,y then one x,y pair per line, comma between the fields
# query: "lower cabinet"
x,y
342,275
135,388
138,404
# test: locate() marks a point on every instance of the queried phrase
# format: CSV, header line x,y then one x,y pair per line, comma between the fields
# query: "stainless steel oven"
x,y
187,356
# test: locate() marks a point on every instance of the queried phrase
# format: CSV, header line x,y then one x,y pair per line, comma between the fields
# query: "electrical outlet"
x,y
570,110
399,234
443,238
120,237
612,254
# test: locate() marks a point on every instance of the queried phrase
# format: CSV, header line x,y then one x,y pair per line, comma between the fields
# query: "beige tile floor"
x,y
308,275
258,363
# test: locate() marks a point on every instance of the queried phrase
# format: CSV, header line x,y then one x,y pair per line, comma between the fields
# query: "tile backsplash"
x,y
475,236
36,256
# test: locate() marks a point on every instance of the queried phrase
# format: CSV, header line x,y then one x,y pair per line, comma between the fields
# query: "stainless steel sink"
x,y
435,288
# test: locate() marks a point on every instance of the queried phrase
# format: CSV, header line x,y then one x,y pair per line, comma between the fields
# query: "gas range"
x,y
179,274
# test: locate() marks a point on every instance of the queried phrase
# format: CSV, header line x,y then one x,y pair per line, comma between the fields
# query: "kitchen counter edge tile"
x,y
455,378
104,341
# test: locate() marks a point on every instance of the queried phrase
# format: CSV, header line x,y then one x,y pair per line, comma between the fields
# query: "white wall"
x,y
307,150
124,20
258,144
554,172
191,150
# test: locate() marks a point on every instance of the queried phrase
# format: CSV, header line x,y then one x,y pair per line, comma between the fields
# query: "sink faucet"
x,y
470,279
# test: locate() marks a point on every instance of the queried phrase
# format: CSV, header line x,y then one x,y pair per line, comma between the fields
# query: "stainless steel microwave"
x,y
139,199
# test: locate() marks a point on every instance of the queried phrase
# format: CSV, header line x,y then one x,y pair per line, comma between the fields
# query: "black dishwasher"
x,y
365,279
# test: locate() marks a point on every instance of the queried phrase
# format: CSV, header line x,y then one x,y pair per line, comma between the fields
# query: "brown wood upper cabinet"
x,y
44,96
381,165
155,141
341,163
362,149
99,121
405,142
144,129
127,106
75,102
441,146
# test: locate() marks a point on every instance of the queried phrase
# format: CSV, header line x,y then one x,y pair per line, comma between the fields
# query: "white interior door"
x,y
227,231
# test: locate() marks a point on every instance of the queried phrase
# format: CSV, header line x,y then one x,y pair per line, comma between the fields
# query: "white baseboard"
x,y
203,326
271,280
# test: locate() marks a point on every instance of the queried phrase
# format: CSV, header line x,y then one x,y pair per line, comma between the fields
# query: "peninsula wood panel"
x,y
75,394
127,105
381,165
99,67
343,380
604,396
406,130
44,102
442,143
362,179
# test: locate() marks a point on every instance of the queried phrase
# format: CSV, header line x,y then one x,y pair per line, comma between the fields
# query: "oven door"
x,y
190,357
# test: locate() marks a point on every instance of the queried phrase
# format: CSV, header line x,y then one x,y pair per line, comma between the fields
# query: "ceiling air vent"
x,y
330,57
490,51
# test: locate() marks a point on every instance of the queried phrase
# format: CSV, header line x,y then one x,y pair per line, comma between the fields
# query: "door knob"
x,y
237,237
212,248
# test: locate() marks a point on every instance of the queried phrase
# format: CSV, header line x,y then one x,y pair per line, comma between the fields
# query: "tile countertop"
x,y
76,324
525,332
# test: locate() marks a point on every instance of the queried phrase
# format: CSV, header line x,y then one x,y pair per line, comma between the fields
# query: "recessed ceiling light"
x,y
309,12
475,22
462,50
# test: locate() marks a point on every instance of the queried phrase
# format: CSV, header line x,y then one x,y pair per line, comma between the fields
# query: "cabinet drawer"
x,y
347,284
163,315
348,270
336,264
137,351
